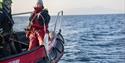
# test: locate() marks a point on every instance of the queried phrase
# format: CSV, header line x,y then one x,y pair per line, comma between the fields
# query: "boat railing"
x,y
59,17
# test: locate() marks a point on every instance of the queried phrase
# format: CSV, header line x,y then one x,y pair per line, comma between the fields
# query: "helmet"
x,y
39,6
40,2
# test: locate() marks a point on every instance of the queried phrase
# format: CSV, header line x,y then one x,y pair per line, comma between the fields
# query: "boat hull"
x,y
33,56
38,54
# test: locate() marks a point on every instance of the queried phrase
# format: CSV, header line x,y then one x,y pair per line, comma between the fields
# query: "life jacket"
x,y
38,22
6,21
46,17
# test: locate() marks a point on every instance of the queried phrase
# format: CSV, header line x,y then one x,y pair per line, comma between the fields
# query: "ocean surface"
x,y
88,38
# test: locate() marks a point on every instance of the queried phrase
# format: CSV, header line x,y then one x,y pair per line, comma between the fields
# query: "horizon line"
x,y
73,14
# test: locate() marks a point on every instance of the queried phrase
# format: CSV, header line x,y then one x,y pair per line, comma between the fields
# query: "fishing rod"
x,y
21,13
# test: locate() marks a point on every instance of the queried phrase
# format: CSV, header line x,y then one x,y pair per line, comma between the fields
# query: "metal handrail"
x,y
59,14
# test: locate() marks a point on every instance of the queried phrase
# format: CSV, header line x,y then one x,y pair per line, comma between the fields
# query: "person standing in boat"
x,y
6,25
38,25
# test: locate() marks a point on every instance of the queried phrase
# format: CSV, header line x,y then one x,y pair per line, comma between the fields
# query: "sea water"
x,y
88,38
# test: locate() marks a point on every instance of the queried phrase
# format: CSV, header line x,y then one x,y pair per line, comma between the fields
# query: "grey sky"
x,y
73,6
